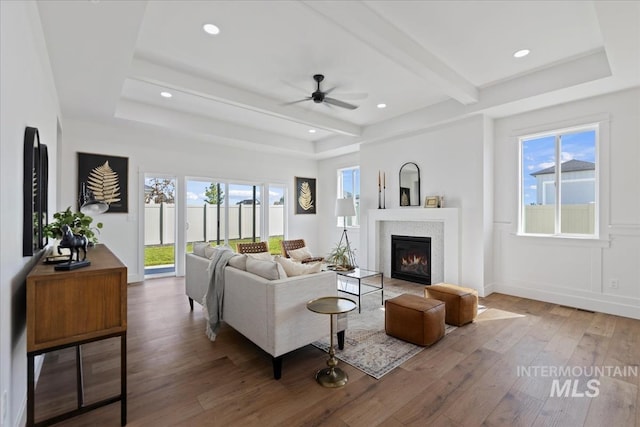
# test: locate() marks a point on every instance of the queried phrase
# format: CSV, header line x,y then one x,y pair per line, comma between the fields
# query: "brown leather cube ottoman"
x,y
461,303
414,319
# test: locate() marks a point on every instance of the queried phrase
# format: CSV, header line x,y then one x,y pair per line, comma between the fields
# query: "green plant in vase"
x,y
80,224
342,257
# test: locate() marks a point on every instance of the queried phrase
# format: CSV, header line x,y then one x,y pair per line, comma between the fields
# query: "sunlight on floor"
x,y
496,314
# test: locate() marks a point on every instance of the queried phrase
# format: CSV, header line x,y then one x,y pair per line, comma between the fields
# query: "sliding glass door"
x,y
159,225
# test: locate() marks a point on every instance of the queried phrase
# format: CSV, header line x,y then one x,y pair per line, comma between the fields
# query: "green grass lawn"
x,y
164,254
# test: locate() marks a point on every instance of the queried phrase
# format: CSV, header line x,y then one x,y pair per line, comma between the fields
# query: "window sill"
x,y
566,240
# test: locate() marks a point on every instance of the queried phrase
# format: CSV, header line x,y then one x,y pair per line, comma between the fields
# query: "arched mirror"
x,y
409,185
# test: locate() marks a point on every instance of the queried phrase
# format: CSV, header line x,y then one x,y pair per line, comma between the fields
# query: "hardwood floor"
x,y
474,376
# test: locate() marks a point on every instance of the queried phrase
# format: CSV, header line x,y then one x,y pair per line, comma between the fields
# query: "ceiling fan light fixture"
x,y
211,29
521,53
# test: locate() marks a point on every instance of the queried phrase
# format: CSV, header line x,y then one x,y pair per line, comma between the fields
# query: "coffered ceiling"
x,y
428,61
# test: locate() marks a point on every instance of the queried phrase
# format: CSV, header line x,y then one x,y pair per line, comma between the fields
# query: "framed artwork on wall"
x,y
305,195
107,178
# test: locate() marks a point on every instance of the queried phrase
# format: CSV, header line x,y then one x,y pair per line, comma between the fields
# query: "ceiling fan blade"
x,y
351,95
340,103
327,92
298,101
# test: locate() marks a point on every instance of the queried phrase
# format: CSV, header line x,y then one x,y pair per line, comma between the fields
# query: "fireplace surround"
x,y
447,217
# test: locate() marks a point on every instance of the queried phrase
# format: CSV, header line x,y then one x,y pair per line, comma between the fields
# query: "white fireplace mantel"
x,y
448,216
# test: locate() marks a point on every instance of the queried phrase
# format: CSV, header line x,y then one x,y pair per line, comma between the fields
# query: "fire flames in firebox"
x,y
416,264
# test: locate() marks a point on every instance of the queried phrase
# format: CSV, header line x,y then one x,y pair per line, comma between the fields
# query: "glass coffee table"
x,y
331,376
350,282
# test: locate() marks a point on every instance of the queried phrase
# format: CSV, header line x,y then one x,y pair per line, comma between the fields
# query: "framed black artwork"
x,y
305,195
107,178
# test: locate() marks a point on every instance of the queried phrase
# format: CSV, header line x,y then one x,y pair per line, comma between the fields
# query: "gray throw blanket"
x,y
213,298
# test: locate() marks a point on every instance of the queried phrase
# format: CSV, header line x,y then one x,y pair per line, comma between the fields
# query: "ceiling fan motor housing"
x,y
317,96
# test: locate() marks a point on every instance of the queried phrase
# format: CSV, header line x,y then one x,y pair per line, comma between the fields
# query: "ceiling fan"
x,y
319,96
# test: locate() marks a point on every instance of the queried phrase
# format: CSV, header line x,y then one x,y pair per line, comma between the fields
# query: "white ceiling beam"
x,y
218,130
151,72
586,74
365,24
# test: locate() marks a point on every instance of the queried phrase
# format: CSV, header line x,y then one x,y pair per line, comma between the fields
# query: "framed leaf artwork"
x,y
107,178
305,195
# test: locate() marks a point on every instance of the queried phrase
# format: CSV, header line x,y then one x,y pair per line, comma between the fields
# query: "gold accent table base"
x,y
331,377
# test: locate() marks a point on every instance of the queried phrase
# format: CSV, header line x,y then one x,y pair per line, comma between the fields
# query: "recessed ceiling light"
x,y
211,29
166,94
382,105
521,53
312,131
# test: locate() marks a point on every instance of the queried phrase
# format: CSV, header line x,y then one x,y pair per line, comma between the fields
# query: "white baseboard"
x,y
627,307
488,289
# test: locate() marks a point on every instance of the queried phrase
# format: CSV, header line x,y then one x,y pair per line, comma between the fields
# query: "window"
x,y
567,157
349,186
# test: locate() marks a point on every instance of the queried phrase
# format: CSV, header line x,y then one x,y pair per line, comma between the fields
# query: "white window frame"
x,y
557,134
340,192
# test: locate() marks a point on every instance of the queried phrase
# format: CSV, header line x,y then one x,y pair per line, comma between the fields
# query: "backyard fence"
x,y
576,219
202,223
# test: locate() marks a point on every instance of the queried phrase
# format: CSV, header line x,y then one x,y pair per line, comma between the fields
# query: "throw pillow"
x,y
199,248
269,270
264,256
300,254
293,268
210,250
239,261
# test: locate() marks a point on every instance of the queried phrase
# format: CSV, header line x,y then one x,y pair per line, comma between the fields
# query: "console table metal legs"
x,y
82,408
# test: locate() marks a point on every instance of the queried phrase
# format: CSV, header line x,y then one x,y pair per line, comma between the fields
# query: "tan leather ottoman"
x,y
414,319
461,303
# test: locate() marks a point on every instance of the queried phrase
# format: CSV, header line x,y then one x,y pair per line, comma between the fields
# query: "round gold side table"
x,y
331,376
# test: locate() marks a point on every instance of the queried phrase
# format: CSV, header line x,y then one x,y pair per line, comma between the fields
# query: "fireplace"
x,y
411,258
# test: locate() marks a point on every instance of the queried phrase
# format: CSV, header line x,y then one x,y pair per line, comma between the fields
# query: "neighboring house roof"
x,y
569,166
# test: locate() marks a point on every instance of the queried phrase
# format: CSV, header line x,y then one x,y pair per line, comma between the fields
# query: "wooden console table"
x,y
71,308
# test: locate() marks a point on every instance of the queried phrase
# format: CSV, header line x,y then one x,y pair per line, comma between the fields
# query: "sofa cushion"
x,y
293,268
263,256
300,254
199,248
209,251
269,270
239,261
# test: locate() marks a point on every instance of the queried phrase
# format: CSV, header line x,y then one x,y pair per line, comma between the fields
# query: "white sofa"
x,y
271,313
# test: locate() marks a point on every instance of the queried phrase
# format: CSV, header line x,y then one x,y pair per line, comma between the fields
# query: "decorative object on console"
x,y
106,177
89,204
35,183
432,202
73,242
410,184
305,195
78,222
342,255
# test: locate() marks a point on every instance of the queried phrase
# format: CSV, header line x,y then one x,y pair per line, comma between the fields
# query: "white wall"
x,y
152,150
451,162
28,99
327,185
575,272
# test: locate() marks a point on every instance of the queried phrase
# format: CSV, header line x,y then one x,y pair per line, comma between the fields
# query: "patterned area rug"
x,y
367,347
